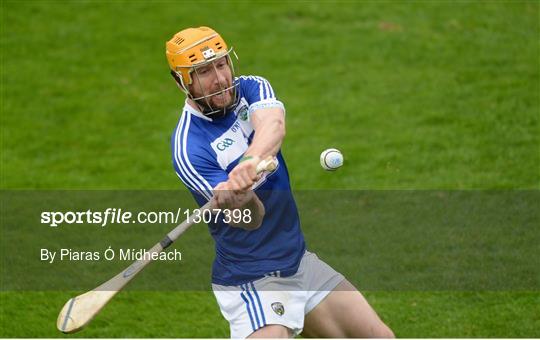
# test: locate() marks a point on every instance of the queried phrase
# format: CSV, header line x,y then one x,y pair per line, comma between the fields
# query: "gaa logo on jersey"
x,y
278,308
221,146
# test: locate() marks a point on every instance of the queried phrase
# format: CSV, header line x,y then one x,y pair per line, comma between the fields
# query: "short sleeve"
x,y
259,93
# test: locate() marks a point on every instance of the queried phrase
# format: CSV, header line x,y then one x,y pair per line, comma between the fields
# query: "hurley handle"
x,y
268,164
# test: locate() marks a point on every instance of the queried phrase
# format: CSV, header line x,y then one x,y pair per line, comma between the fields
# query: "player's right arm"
x,y
226,198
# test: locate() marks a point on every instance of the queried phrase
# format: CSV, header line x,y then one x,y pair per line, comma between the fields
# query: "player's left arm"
x,y
269,127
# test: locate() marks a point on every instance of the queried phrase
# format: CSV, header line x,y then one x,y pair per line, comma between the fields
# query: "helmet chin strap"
x,y
208,110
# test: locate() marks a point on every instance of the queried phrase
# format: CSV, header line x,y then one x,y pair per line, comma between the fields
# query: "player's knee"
x,y
384,331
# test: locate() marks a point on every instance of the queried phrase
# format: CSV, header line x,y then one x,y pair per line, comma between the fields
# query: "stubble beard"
x,y
216,101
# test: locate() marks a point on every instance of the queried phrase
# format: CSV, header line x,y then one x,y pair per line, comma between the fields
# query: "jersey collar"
x,y
190,109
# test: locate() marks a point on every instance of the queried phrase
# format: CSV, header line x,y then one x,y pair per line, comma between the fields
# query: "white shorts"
x,y
277,300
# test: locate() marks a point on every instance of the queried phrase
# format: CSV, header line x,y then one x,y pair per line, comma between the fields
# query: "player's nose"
x,y
221,79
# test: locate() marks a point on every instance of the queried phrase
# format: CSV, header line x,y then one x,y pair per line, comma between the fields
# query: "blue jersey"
x,y
204,151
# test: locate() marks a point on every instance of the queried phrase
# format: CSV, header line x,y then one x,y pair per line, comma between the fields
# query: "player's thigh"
x,y
272,331
345,313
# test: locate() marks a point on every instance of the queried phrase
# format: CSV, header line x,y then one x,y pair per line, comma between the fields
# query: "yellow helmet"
x,y
193,47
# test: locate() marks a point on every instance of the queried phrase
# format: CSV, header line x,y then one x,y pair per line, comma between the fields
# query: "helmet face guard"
x,y
195,49
195,90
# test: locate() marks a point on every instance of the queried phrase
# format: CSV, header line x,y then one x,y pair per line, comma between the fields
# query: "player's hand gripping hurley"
x,y
80,310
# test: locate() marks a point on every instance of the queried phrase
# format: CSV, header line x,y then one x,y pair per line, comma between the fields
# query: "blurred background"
x,y
417,95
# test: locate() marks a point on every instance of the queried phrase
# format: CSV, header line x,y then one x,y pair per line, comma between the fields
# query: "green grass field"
x,y
422,95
